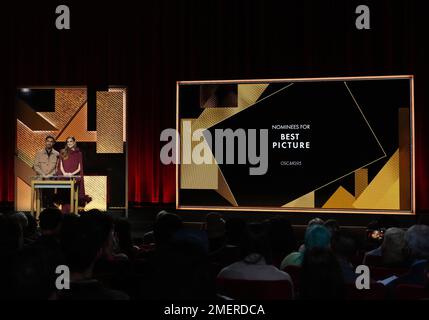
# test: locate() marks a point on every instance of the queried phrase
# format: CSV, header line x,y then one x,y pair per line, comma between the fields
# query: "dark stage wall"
x,y
148,46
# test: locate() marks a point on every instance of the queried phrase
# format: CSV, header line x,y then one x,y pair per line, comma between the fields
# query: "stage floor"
x,y
143,216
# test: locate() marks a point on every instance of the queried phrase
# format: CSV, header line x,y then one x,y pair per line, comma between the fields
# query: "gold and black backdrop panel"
x,y
100,131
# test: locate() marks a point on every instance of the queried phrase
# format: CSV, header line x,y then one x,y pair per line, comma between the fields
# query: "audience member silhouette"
x,y
255,263
321,276
83,242
417,246
344,247
316,236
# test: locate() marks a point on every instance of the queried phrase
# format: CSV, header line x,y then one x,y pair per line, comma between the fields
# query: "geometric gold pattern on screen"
x,y
248,94
361,181
228,99
383,190
199,177
404,158
224,190
305,201
373,133
340,199
194,176
388,190
209,176
202,176
341,194
367,164
110,118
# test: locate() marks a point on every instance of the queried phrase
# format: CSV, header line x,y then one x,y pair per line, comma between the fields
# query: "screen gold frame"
x,y
412,210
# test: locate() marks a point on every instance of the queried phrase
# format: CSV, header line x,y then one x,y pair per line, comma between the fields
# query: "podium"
x,y
55,182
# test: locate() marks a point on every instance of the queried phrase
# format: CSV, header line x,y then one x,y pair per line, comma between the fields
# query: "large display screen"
x,y
321,144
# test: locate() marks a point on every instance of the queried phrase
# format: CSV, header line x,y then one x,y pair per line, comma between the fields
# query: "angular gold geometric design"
x,y
374,196
186,140
23,195
23,171
67,103
361,181
32,128
248,94
363,116
199,176
78,128
340,199
96,186
209,176
218,96
194,176
32,119
224,190
391,198
69,119
110,124
404,158
373,133
211,102
29,142
384,190
306,201
124,108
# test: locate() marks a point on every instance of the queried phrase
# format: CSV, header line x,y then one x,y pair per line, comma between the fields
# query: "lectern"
x,y
56,182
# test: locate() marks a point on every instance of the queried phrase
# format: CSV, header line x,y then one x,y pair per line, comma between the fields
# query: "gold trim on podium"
x,y
38,184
